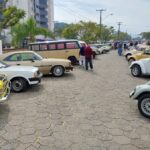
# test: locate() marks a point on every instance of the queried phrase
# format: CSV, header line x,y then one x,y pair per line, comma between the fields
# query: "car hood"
x,y
20,68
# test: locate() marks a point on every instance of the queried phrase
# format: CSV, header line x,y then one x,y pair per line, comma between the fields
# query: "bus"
x,y
65,49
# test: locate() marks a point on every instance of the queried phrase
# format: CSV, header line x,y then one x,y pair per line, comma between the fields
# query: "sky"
x,y
134,14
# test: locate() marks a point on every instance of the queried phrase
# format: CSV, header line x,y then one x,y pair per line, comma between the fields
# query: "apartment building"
x,y
41,10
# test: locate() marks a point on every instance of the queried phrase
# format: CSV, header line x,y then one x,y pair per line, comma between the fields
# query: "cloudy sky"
x,y
134,14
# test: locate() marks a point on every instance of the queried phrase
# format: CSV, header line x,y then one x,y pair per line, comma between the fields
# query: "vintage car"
x,y
142,94
4,88
138,56
54,66
140,67
20,76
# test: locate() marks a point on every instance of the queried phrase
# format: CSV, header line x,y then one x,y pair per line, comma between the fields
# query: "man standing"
x,y
82,56
88,57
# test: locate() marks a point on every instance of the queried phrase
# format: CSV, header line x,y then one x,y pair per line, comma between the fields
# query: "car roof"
x,y
15,52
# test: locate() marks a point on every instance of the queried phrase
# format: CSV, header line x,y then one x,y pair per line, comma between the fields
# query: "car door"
x,y
31,59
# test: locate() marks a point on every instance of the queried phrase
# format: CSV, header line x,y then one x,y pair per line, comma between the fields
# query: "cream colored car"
x,y
57,67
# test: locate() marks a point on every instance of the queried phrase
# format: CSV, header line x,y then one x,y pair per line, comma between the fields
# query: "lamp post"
x,y
101,11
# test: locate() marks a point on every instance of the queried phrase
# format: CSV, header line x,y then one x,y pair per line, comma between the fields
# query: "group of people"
x,y
86,55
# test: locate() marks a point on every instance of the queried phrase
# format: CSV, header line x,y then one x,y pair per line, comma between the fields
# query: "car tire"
x,y
94,55
73,60
144,105
58,71
18,85
136,70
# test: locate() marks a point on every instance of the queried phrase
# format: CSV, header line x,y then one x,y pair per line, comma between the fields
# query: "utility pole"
x,y
119,24
100,27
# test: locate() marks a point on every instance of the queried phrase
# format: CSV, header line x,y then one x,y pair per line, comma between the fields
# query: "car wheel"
x,y
94,55
136,70
131,60
58,71
144,105
73,60
18,85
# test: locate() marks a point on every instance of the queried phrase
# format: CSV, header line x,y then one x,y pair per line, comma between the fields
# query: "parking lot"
x,y
83,110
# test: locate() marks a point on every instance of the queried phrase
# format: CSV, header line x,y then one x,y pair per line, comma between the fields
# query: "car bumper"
x,y
5,94
36,80
69,68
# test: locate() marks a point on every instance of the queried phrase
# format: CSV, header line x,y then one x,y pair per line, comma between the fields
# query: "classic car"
x,y
142,94
140,55
140,67
20,76
54,66
4,88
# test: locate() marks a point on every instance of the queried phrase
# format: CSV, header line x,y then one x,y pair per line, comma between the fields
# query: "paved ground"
x,y
80,111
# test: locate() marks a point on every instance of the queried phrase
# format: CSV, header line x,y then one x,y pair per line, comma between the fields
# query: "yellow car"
x,y
138,56
4,88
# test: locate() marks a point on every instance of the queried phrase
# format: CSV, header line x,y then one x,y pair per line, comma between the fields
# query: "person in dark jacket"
x,y
88,57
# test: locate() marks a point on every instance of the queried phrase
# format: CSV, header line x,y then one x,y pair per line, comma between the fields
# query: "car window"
x,y
28,56
14,57
72,45
60,46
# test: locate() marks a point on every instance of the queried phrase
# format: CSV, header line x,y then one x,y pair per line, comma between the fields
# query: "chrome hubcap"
x,y
135,71
145,106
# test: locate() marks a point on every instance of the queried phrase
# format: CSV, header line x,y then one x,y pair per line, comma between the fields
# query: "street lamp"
x,y
108,16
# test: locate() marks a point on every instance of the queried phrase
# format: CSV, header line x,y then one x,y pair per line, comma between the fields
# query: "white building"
x,y
41,10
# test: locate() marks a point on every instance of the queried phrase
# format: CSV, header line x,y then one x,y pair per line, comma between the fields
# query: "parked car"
x,y
140,67
95,49
140,55
20,76
54,66
130,52
142,94
4,88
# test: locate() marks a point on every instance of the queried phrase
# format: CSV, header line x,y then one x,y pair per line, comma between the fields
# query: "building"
x,y
41,10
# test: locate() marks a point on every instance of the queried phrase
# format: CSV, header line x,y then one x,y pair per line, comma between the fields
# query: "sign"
x,y
1,51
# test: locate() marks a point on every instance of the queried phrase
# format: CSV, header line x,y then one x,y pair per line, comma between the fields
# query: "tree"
x,y
9,15
145,35
27,30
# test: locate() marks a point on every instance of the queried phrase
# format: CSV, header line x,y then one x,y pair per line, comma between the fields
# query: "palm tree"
x,y
28,29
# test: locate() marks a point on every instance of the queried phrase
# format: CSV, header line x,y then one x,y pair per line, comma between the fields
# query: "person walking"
x,y
88,57
119,48
82,56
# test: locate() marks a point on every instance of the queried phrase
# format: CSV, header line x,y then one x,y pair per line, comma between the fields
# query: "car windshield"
x,y
37,56
3,65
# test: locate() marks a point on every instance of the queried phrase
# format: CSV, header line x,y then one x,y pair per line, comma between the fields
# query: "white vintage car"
x,y
20,76
140,67
142,94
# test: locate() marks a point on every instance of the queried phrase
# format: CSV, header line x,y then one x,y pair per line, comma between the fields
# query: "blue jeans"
x,y
88,61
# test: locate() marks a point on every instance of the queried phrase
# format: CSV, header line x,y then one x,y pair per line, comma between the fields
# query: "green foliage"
x,y
122,36
87,31
27,30
11,16
145,35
